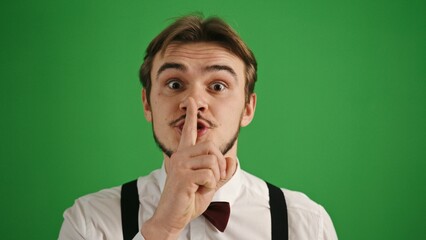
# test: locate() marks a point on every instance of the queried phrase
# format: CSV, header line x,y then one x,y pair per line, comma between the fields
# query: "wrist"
x,y
155,230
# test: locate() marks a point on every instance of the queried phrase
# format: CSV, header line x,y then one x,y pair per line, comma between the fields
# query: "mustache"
x,y
210,123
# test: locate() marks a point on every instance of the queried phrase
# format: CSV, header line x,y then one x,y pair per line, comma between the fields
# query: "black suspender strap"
x,y
129,209
279,222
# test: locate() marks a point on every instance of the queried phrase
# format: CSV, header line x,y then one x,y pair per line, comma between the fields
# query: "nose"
x,y
200,102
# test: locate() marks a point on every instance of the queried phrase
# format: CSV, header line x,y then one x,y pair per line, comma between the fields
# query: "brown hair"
x,y
192,29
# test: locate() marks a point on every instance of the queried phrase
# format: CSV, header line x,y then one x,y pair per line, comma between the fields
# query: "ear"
x,y
249,110
146,106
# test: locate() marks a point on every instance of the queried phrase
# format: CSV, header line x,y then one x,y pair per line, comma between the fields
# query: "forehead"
x,y
201,54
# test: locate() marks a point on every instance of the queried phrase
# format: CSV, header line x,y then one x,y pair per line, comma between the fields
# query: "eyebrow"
x,y
214,68
171,65
183,68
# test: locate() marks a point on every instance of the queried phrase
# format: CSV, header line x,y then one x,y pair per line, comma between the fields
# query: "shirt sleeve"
x,y
328,231
74,225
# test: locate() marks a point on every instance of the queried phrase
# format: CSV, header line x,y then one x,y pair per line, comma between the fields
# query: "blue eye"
x,y
174,85
218,87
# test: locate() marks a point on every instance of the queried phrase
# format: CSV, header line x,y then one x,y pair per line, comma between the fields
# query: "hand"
x,y
194,173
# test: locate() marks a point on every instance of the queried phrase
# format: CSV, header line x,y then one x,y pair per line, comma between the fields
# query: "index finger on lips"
x,y
189,130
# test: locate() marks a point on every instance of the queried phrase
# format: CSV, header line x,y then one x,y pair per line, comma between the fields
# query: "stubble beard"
x,y
223,149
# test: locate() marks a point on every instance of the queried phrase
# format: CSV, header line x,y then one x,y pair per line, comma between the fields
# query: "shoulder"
x,y
111,197
101,201
298,201
108,200
306,218
99,213
99,210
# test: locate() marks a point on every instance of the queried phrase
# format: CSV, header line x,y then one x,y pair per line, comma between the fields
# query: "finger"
x,y
209,148
189,130
205,178
231,167
221,161
205,162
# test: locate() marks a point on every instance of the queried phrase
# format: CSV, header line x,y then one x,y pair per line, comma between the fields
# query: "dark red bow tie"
x,y
218,214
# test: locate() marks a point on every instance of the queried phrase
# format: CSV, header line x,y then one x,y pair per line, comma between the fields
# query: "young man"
x,y
198,79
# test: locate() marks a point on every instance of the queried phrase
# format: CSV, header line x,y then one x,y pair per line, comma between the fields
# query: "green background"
x,y
340,116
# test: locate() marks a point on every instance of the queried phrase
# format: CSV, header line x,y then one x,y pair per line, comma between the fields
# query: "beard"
x,y
224,148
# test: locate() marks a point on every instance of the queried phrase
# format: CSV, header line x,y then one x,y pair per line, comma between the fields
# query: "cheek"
x,y
230,114
163,111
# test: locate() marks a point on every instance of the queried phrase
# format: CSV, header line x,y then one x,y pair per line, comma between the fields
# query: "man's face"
x,y
215,79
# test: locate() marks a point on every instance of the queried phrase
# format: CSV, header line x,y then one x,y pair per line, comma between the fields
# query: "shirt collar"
x,y
227,193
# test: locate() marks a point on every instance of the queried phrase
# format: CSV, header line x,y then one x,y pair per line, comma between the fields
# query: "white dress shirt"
x,y
98,216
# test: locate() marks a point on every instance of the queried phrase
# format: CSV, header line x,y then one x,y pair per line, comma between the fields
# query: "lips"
x,y
202,127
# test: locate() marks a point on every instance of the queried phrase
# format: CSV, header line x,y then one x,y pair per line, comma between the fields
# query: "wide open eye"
x,y
218,86
174,85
